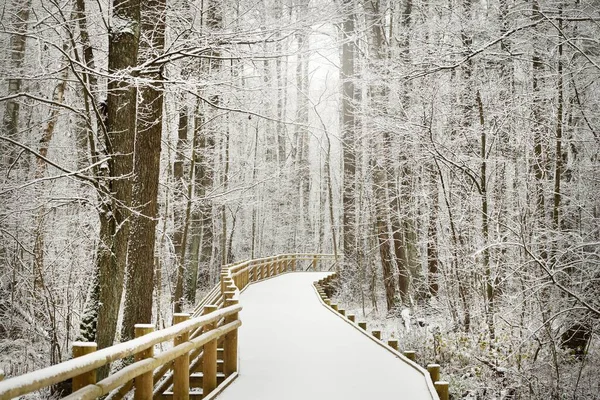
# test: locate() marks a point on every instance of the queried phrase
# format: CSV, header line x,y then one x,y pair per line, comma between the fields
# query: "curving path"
x,y
292,347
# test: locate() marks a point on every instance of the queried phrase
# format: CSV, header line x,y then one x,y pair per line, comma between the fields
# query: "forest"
x,y
446,151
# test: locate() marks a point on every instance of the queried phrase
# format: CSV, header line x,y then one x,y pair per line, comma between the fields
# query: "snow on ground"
x,y
292,347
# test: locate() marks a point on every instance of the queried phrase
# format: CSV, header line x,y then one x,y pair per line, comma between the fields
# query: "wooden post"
x,y
434,372
209,367
334,306
363,325
393,343
351,317
293,263
181,365
377,334
229,285
343,312
314,263
411,355
88,378
441,387
144,384
228,295
223,281
1,375
230,343
328,302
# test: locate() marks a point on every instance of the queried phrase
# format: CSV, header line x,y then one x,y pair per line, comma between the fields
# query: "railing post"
x,y
209,367
377,334
294,263
181,366
393,343
228,296
231,342
143,383
411,355
314,263
87,378
441,387
223,277
434,372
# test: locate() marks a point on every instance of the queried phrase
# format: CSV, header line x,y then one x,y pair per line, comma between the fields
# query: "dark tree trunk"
x,y
121,111
146,169
348,136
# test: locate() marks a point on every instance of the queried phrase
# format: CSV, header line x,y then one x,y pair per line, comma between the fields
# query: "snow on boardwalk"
x,y
292,347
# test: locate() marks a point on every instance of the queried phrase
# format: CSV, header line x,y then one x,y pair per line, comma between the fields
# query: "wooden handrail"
x,y
222,326
49,376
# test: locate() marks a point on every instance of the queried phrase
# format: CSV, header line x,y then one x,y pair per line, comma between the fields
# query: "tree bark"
x,y
121,111
146,170
348,136
10,121
179,216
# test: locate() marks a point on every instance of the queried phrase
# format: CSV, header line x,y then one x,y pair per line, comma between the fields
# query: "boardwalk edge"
x,y
421,370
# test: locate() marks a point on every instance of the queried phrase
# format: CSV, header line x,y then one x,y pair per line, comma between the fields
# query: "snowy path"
x,y
292,347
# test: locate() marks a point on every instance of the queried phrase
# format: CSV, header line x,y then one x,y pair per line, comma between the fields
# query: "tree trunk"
x,y
559,131
146,170
432,255
348,136
10,121
383,239
121,111
485,254
178,215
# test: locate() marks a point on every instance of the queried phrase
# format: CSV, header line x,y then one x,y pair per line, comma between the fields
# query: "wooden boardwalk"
x,y
292,347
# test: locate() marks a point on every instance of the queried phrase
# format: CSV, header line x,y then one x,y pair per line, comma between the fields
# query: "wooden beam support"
x,y
181,365
434,372
441,387
144,383
209,367
88,378
230,344
411,355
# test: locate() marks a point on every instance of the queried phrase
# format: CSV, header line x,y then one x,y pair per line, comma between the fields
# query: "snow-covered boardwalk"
x,y
292,347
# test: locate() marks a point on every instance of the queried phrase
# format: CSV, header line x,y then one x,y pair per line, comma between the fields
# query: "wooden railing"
x,y
201,361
